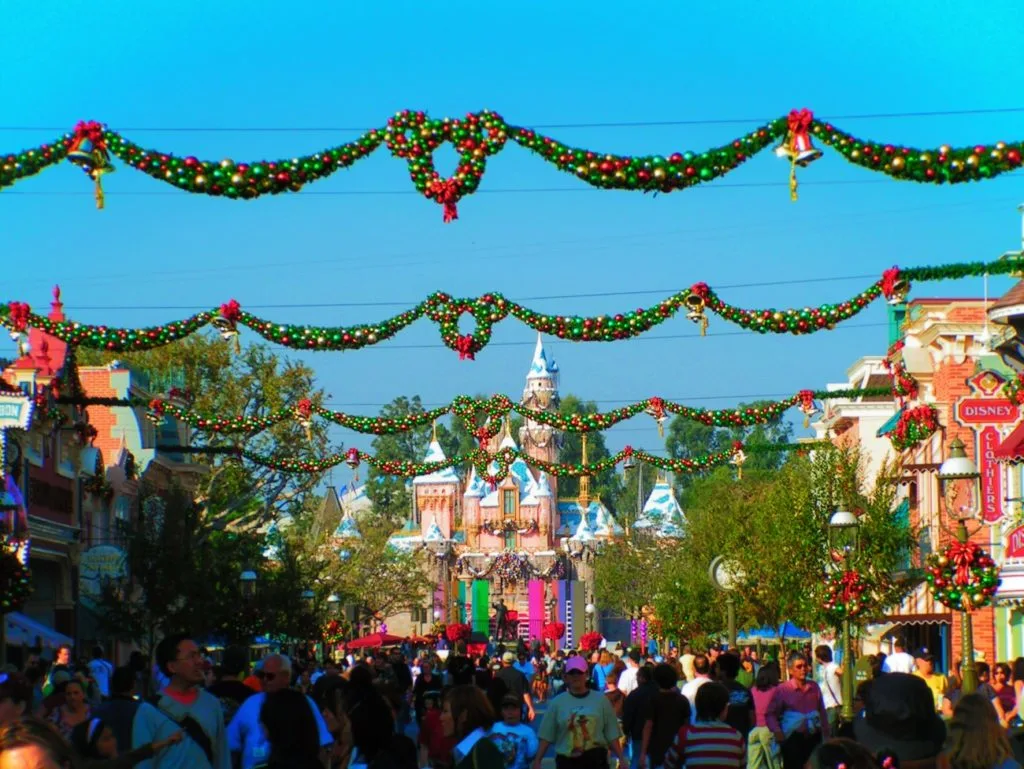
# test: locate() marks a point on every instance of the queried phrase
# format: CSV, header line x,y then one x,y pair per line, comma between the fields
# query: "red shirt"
x,y
707,744
439,747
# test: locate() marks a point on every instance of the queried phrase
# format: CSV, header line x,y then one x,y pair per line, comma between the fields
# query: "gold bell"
x,y
228,331
900,290
695,305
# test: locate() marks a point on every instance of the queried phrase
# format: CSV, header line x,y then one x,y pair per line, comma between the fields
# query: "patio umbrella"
x,y
375,641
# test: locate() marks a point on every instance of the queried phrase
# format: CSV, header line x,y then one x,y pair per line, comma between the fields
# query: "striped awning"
x,y
1012,447
1011,586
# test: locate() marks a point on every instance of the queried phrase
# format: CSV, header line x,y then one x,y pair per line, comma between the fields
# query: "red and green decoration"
x,y
335,633
915,425
848,595
591,642
904,386
963,577
415,136
486,416
493,468
487,310
15,575
1014,389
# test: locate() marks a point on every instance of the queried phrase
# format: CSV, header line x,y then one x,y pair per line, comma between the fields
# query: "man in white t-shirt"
x,y
627,679
701,676
899,661
101,671
246,737
830,683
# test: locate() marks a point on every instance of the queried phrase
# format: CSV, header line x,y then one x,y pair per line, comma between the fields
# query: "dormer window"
x,y
509,502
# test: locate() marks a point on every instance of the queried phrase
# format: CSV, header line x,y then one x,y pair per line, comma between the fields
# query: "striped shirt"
x,y
707,744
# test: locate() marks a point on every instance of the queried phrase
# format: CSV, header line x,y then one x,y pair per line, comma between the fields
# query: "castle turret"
x,y
437,493
662,515
541,394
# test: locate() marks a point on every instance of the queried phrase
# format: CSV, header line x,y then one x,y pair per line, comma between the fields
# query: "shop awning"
x,y
1012,449
22,630
890,425
1011,586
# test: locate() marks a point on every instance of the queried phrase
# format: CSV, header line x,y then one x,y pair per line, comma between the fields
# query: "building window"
x,y
510,540
509,502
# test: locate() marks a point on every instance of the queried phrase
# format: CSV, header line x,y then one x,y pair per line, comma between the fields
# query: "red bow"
x,y
352,457
656,407
482,434
737,446
700,289
157,406
464,346
806,399
962,555
800,120
447,194
87,130
627,452
850,582
304,408
492,482
18,313
231,311
888,281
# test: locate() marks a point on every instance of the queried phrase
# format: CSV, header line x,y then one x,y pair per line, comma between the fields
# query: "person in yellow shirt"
x,y
924,665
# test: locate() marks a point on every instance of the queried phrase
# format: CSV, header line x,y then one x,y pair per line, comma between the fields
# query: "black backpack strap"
x,y
191,727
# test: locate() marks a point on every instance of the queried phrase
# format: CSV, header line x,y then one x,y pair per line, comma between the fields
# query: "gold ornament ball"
x,y
957,165
659,174
943,561
777,316
1000,145
972,160
855,154
996,155
926,157
236,179
898,164
200,181
944,149
227,163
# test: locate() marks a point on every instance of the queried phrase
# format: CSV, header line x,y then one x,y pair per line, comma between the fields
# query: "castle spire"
x,y
584,498
541,367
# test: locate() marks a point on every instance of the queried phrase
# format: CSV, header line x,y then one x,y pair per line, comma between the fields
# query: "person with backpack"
x,y
183,705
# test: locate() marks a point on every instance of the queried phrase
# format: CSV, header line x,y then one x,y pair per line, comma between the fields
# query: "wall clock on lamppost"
x,y
726,575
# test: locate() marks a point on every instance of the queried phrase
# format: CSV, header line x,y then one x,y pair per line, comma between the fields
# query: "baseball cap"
x,y
508,657
510,700
576,663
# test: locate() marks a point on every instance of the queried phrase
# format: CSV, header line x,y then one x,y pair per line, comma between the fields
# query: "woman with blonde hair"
x,y
976,738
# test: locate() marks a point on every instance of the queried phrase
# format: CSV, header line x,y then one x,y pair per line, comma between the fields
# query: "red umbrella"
x,y
375,641
419,640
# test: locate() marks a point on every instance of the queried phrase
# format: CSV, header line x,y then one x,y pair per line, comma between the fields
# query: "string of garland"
x,y
492,412
445,311
493,467
414,137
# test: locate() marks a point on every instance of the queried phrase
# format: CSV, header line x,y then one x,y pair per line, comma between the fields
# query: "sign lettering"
x,y
15,412
1015,543
991,475
977,411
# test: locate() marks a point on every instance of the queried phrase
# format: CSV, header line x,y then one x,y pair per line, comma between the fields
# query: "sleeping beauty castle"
x,y
516,542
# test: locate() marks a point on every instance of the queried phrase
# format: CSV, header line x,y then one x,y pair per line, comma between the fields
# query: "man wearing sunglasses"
x,y
248,743
581,724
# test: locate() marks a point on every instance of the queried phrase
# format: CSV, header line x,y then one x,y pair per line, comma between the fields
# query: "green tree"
x,y
604,485
254,383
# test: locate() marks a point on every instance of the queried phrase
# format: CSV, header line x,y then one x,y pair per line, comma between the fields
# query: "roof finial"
x,y
56,294
584,498
433,431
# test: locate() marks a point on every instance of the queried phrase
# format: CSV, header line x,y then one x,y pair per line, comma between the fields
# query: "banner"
x,y
481,606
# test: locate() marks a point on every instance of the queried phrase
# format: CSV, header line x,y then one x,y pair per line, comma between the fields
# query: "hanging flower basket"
x,y
590,642
914,425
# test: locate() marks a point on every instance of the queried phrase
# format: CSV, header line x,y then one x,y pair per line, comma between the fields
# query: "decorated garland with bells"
x,y
445,311
492,412
848,595
15,575
963,577
414,137
511,567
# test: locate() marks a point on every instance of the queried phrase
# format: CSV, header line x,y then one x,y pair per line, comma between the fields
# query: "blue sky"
x,y
365,236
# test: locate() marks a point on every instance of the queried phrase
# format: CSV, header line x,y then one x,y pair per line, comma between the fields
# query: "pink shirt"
x,y
761,702
787,696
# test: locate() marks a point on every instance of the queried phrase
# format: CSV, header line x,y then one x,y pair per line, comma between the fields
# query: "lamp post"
x,y
844,537
632,464
247,582
726,576
590,610
960,485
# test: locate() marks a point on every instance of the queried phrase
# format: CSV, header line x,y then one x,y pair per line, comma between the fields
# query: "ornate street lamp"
x,y
333,604
308,598
960,484
726,576
590,610
844,540
247,581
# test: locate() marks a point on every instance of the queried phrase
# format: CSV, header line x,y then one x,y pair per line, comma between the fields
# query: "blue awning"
x,y
890,424
22,630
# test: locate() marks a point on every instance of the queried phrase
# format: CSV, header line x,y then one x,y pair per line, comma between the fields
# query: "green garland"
x,y
493,467
15,576
414,137
445,311
492,412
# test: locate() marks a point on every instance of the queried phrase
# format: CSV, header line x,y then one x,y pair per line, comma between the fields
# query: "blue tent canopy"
x,y
787,631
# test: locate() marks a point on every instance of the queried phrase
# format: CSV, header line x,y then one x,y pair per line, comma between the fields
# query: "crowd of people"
x,y
510,709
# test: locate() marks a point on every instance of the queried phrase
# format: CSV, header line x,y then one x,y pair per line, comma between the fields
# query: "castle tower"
x,y
541,393
437,494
